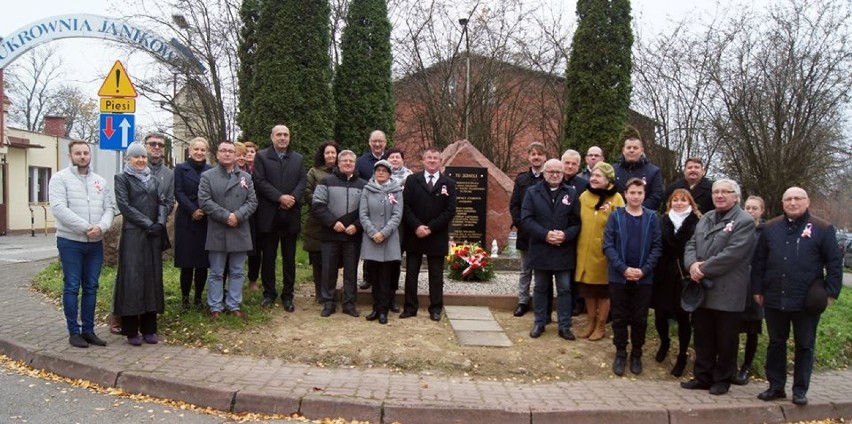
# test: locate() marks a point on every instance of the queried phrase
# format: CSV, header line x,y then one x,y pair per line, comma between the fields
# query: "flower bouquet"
x,y
469,262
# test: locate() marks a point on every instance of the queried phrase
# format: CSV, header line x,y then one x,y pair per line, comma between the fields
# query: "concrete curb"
x,y
271,386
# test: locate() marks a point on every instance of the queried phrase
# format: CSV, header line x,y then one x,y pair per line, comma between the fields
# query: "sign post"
x,y
118,103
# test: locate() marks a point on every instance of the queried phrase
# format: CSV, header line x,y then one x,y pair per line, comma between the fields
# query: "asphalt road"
x,y
25,399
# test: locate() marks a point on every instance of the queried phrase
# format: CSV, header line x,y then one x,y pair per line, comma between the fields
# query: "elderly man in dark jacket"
x,y
719,256
335,205
551,216
226,194
795,251
524,180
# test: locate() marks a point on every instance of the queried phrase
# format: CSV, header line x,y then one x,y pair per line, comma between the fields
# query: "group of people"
x,y
596,234
241,210
616,243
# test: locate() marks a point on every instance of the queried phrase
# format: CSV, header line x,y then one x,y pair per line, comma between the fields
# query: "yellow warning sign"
x,y
117,83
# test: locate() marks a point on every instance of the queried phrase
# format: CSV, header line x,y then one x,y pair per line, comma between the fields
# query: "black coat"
x,y
274,177
434,209
523,181
190,235
667,276
539,215
702,193
139,281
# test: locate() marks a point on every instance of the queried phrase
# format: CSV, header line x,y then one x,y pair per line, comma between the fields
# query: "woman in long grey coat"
x,y
380,214
138,295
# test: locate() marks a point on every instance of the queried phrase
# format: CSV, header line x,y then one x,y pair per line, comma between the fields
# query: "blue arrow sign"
x,y
116,130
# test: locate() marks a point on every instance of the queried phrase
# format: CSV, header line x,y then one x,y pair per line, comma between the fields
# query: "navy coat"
x,y
539,215
786,262
615,245
190,235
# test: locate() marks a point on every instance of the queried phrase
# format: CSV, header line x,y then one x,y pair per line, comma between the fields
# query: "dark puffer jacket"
x,y
645,171
337,198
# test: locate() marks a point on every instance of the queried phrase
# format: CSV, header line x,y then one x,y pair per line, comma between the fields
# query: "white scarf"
x,y
678,217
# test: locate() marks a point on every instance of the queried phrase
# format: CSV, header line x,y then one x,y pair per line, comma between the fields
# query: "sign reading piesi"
x,y
472,186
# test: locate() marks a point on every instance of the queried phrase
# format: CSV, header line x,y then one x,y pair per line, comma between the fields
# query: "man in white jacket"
x,y
83,208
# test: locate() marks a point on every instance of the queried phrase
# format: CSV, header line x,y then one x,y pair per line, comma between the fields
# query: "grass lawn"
x,y
194,327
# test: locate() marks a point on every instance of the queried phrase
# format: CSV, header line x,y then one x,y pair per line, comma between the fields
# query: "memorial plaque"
x,y
469,223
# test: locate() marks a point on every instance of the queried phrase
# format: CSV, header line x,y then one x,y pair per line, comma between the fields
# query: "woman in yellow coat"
x,y
596,203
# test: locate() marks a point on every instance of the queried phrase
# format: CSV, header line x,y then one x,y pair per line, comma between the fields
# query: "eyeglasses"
x,y
553,172
594,155
227,151
795,198
718,192
155,144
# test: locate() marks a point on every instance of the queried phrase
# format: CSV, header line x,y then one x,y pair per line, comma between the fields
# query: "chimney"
x,y
54,125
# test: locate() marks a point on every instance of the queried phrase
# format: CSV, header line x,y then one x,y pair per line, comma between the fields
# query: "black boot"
x,y
619,363
680,365
741,378
184,304
636,362
663,350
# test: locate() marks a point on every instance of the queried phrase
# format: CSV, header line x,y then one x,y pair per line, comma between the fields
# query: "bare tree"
x,y
202,97
672,85
32,82
512,89
783,77
80,112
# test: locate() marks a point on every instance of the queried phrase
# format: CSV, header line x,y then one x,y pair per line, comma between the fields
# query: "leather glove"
x,y
155,230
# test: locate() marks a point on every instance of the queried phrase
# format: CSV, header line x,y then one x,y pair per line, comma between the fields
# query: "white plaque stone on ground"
x,y
476,326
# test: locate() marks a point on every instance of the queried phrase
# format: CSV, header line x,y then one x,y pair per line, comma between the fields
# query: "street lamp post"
x,y
466,123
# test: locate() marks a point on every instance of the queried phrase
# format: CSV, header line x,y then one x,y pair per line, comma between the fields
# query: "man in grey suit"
x,y
718,256
226,194
280,178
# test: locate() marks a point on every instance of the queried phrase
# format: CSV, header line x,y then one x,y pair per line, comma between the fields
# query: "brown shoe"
x,y
239,314
600,331
588,329
215,314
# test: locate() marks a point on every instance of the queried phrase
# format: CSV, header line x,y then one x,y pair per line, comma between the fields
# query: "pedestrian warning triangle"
x,y
117,83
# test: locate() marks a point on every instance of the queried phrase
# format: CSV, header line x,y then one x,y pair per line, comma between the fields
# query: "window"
x,y
39,178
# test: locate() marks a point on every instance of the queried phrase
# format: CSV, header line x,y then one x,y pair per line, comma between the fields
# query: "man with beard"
x,y
83,208
536,157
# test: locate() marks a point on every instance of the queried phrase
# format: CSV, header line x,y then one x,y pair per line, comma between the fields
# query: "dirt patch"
x,y
419,345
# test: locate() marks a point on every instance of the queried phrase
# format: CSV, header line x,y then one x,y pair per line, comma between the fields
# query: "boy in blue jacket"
x,y
632,245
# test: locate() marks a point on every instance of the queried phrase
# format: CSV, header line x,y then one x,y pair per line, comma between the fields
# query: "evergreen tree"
x,y
249,15
598,76
292,74
363,89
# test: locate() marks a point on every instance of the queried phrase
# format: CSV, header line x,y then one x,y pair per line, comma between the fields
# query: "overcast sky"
x,y
87,61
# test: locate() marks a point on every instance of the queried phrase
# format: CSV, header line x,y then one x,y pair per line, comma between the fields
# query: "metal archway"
x,y
94,26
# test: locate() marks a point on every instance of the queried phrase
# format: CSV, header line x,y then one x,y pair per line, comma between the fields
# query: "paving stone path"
x,y
475,326
32,330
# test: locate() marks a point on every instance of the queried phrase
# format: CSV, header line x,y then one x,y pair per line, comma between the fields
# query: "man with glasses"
x,y
551,215
718,257
226,194
795,251
155,145
593,156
